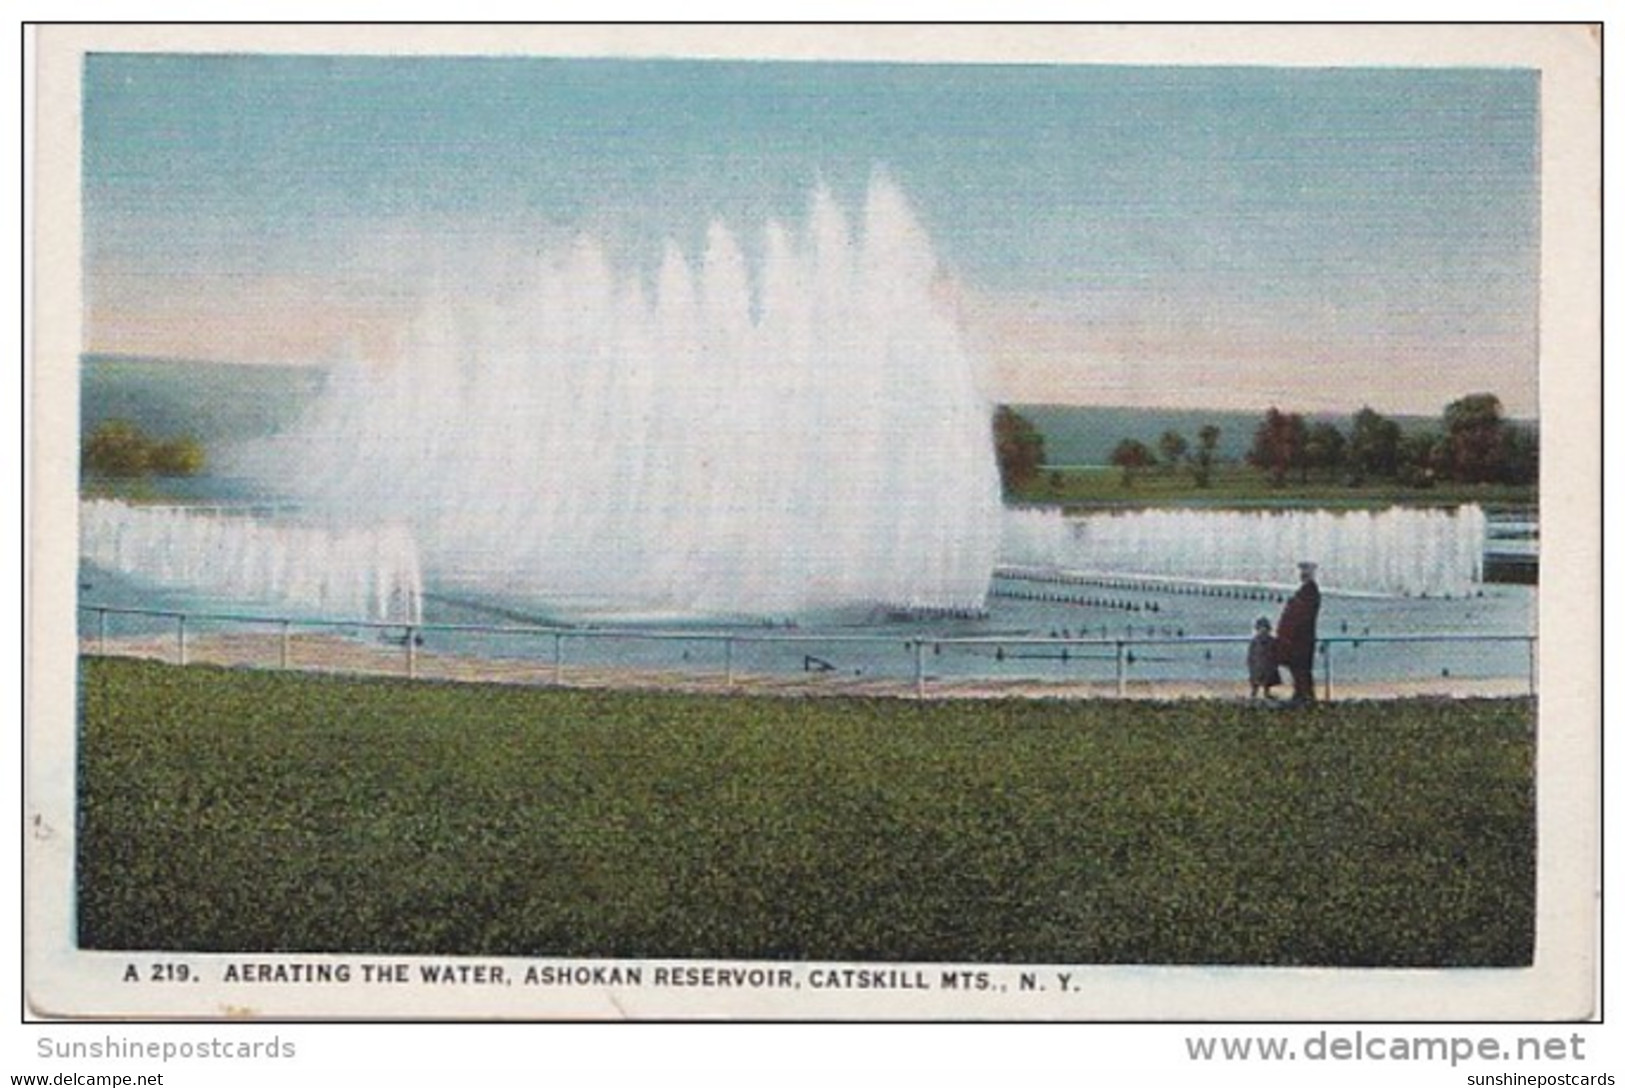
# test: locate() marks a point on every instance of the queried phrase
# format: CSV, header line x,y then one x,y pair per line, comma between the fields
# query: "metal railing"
x,y
1120,650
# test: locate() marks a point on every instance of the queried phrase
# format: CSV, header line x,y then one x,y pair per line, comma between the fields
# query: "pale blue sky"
x,y
1113,234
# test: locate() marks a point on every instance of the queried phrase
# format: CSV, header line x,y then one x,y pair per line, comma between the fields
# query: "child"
x,y
1263,671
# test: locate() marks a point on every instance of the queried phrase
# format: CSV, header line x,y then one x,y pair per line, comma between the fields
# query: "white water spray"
x,y
369,574
1397,551
757,438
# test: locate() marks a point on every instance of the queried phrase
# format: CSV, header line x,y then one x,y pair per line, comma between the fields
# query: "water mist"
x,y
763,436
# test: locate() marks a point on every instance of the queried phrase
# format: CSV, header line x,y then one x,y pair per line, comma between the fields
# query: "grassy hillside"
x,y
241,811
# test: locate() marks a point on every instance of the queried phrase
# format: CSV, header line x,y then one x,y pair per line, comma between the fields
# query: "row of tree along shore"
x,y
1472,448
1474,444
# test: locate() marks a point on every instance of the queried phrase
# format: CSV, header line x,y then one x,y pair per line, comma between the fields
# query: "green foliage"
x,y
1281,444
1019,446
119,449
1173,447
1374,445
1132,455
1477,447
1423,458
1325,448
268,812
1207,442
177,457
1243,486
1522,455
1475,436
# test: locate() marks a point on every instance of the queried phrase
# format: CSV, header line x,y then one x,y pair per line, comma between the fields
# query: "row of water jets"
x,y
377,573
1398,552
231,559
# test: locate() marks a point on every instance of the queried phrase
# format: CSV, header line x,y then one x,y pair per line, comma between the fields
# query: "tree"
x,y
116,447
1173,446
1278,445
1373,447
1420,458
1207,442
176,457
1475,435
1325,447
1262,454
1297,446
1522,454
1019,447
1131,455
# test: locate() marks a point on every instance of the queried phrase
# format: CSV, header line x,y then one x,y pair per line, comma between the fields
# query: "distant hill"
x,y
213,402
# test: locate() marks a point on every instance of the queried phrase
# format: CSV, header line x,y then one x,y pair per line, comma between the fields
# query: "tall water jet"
x,y
756,436
1397,551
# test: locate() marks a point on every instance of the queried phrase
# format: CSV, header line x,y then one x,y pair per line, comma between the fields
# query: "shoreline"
x,y
329,655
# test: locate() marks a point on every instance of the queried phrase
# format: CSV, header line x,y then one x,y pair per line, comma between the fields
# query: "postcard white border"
x,y
63,981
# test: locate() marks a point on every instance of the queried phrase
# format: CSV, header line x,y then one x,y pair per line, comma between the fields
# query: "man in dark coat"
x,y
1295,635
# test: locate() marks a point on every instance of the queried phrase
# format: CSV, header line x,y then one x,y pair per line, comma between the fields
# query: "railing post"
x,y
1534,666
101,631
558,658
180,637
1122,671
411,652
919,668
1326,658
282,656
728,655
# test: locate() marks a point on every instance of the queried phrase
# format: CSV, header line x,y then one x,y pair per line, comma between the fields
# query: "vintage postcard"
x,y
815,522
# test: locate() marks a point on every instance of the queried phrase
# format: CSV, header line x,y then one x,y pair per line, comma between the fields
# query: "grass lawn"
x,y
1236,485
272,812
